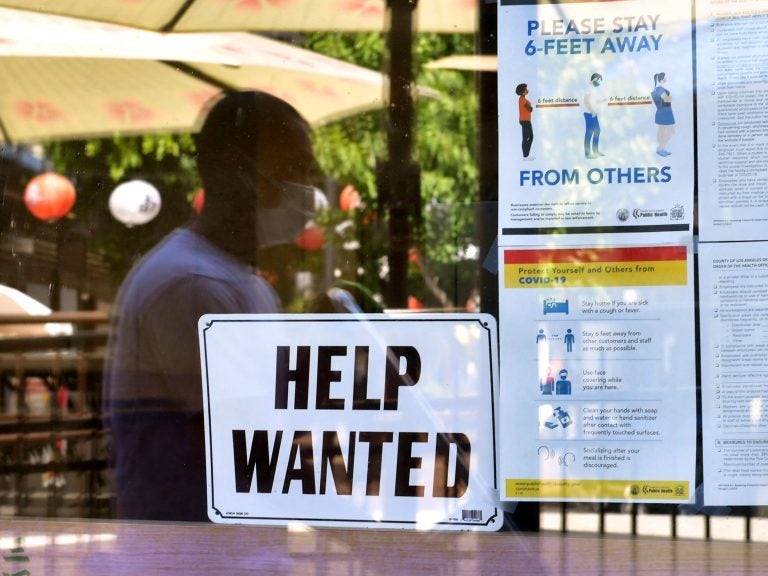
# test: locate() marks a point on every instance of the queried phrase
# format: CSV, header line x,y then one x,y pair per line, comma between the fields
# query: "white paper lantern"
x,y
134,203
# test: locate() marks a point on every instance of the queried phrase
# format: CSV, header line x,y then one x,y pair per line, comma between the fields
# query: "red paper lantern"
x,y
49,196
312,238
349,198
198,201
414,303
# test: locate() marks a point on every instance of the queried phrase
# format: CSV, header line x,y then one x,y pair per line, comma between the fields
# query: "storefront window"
x,y
444,266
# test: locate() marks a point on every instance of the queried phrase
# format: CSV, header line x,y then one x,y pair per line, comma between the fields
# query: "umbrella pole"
x,y
399,186
4,134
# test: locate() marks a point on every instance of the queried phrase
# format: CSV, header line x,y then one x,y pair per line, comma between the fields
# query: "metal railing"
x,y
52,453
740,523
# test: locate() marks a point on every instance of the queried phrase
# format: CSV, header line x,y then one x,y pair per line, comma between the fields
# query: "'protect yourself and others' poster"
x,y
597,372
595,114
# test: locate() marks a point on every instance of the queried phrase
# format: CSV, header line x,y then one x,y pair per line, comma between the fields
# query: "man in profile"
x,y
255,160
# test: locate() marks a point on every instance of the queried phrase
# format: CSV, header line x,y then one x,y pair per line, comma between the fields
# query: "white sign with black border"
x,y
369,421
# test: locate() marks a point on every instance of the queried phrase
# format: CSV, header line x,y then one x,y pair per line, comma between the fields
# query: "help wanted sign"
x,y
379,421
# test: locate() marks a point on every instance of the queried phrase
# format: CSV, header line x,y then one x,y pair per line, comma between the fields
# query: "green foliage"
x,y
367,50
97,166
445,141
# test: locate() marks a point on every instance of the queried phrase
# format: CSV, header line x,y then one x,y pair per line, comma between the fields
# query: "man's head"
x,y
596,79
521,89
249,145
252,135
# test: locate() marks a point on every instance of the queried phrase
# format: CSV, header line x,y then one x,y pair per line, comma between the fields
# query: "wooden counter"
x,y
99,548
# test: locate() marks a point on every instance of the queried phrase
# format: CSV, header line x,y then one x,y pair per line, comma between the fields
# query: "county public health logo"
x,y
677,212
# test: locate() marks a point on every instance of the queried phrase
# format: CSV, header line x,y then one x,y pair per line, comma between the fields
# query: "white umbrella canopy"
x,y
458,16
466,62
65,78
14,302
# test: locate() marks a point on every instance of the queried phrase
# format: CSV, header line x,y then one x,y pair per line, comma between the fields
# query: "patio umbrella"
x,y
68,78
459,16
466,62
14,302
257,15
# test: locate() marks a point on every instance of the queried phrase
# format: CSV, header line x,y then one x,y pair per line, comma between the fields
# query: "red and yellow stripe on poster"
x,y
591,267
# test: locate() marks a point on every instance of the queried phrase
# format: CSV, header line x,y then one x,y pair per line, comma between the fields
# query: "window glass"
x,y
263,158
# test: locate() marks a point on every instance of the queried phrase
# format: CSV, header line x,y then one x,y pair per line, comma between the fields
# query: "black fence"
x,y
52,448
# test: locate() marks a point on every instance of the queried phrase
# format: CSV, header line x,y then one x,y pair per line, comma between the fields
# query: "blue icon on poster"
x,y
563,385
559,417
563,417
569,339
553,306
547,384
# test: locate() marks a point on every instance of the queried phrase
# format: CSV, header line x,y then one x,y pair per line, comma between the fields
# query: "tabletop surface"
x,y
67,548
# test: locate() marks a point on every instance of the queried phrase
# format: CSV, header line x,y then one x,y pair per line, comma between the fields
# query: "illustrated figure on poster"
x,y
593,103
665,119
541,338
563,385
569,339
566,459
547,384
525,109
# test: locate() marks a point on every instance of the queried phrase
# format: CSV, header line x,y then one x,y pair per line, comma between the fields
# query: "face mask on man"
x,y
292,211
297,205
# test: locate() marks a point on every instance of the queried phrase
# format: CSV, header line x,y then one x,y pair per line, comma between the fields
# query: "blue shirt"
x,y
152,395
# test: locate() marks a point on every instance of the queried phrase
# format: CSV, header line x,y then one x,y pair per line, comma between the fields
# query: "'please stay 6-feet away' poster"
x,y
609,139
